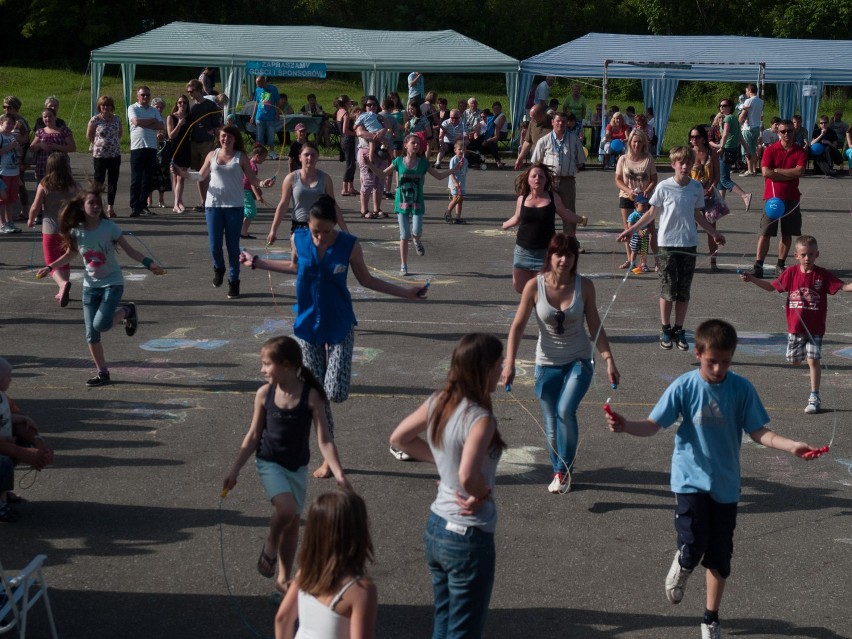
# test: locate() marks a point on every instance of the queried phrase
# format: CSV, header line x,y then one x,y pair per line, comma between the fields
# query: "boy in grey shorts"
x,y
679,201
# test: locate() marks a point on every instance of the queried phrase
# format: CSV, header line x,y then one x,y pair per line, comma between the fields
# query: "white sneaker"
x,y
676,580
273,155
561,483
398,454
403,269
711,631
813,405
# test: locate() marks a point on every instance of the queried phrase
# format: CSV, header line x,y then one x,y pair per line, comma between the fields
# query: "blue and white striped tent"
x,y
660,62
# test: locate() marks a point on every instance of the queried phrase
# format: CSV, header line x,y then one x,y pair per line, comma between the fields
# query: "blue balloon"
x,y
817,148
774,208
616,146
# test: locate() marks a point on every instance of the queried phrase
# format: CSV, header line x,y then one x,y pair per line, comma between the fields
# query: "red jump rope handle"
x,y
608,409
813,454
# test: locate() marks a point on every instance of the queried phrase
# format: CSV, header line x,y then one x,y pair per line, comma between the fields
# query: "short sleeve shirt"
x,y
97,248
677,217
142,137
807,298
777,157
706,457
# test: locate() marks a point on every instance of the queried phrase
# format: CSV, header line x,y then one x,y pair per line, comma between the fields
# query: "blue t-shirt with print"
x,y
266,112
706,456
97,248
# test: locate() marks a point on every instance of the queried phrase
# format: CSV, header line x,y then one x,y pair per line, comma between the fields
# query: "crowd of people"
x,y
455,428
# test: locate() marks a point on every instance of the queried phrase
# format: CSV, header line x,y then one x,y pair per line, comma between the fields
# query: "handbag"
x,y
165,153
715,207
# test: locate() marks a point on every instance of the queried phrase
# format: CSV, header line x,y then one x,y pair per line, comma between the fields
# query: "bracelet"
x,y
254,262
485,497
146,262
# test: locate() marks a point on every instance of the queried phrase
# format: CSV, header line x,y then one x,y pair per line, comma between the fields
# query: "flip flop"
x,y
270,561
625,265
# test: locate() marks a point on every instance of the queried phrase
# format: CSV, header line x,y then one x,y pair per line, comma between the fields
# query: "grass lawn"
x,y
72,88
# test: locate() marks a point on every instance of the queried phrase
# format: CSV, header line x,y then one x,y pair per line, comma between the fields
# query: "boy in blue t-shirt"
x,y
679,201
715,407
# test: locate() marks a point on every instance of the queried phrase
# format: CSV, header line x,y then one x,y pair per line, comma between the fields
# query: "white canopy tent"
x,y
660,62
380,56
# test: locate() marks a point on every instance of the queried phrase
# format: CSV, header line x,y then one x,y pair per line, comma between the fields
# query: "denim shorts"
x,y
276,480
705,532
409,225
529,259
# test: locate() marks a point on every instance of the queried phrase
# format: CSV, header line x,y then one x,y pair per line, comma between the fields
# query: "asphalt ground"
x,y
139,543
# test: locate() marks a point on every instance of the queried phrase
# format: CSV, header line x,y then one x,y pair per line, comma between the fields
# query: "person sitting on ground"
x,y
20,442
824,162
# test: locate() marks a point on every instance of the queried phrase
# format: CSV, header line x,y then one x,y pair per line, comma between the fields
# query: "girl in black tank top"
x,y
284,411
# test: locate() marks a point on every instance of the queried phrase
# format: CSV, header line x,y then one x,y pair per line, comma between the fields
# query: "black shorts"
x,y
791,223
705,532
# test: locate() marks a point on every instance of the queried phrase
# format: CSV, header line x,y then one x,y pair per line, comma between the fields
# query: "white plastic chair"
x,y
20,593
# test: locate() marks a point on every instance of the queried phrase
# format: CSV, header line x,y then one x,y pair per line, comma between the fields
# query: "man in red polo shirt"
x,y
782,165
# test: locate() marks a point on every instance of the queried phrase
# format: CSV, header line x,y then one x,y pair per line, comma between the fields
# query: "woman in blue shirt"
x,y
325,322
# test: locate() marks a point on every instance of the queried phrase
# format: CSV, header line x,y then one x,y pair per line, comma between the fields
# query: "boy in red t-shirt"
x,y
807,288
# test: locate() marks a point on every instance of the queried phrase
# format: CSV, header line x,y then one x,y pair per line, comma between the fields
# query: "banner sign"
x,y
277,69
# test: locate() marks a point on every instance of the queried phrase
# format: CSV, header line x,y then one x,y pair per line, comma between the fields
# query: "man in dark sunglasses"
x,y
782,165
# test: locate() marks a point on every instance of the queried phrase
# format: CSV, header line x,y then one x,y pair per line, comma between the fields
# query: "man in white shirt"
x,y
542,91
145,121
751,118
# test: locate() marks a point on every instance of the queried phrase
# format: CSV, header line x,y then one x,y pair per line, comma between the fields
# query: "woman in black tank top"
x,y
535,213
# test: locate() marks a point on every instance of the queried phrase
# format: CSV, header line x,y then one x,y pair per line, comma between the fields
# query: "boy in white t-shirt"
x,y
679,201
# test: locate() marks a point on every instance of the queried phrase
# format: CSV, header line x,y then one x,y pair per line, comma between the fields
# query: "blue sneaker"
x,y
666,339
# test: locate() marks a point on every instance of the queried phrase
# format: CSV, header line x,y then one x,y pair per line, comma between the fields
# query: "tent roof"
x,y
339,49
727,58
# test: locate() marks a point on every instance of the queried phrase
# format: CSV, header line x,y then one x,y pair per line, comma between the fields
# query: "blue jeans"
x,y
99,304
560,389
462,569
266,132
727,159
227,221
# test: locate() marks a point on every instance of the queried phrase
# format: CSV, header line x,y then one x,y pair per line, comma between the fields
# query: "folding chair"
x,y
17,597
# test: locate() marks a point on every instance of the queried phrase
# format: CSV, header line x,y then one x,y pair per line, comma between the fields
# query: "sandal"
x,y
379,214
625,265
448,218
269,561
458,220
63,295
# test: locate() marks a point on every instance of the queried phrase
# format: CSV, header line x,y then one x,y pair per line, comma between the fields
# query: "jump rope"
x,y
565,487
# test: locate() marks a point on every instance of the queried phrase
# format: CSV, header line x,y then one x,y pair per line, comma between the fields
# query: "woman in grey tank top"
x,y
562,300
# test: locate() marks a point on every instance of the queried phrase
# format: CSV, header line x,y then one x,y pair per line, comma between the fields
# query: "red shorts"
x,y
51,246
13,184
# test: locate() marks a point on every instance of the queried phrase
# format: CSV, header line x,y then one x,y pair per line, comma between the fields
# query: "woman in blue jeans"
x,y
562,300
224,206
462,440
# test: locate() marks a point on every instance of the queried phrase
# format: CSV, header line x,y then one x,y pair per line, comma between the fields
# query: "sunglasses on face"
x,y
694,137
785,131
559,317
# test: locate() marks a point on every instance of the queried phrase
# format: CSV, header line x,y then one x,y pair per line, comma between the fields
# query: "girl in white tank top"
x,y
330,596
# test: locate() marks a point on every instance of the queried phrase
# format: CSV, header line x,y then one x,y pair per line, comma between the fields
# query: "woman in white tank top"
x,y
562,300
224,206
329,596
